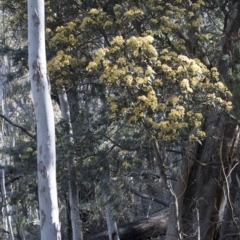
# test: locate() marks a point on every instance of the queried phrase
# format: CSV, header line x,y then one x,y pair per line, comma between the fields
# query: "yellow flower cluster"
x,y
194,119
176,113
150,100
192,138
94,11
197,137
173,99
185,86
118,40
134,12
153,82
92,18
166,68
157,82
176,117
113,107
196,23
149,71
121,61
91,65
71,26
72,40
145,43
129,79
60,60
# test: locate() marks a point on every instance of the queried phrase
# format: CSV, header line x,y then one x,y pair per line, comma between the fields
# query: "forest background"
x,y
145,96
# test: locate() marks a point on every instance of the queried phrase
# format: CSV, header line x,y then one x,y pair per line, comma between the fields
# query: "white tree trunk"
x,y
46,150
5,204
7,218
73,188
111,223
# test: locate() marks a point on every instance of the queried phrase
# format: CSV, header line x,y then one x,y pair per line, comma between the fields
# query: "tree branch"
x,y
4,231
118,145
144,174
18,126
13,179
148,196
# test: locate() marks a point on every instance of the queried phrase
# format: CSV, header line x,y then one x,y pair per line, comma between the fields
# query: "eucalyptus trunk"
x,y
111,222
7,218
46,149
73,188
5,204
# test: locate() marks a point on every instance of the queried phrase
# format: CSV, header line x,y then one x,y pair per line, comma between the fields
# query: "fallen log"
x,y
141,229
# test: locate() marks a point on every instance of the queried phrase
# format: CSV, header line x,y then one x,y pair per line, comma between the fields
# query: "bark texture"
x,y
204,189
46,150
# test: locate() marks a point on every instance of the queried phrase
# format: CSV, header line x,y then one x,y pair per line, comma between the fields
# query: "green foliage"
x,y
138,71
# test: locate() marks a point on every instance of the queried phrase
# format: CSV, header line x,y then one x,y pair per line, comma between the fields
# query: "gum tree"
x,y
153,82
46,151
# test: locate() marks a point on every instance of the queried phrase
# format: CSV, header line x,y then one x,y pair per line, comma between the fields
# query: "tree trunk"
x,y
204,202
5,127
5,204
68,232
204,193
176,207
111,223
139,230
73,188
229,213
46,150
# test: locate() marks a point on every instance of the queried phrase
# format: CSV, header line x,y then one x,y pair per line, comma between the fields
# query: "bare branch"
x,y
13,179
18,126
149,196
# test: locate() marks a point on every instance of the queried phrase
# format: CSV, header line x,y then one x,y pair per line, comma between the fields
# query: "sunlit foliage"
x,y
166,91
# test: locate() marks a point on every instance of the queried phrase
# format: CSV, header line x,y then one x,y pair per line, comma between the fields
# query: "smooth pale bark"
x,y
111,223
46,150
6,216
73,188
5,204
